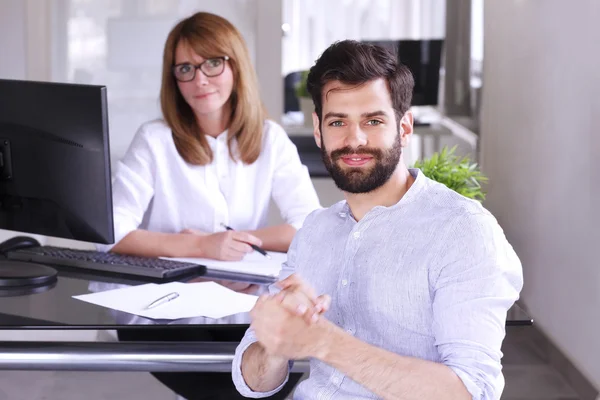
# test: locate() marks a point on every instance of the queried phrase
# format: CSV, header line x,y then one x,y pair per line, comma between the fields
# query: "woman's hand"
x,y
229,245
226,246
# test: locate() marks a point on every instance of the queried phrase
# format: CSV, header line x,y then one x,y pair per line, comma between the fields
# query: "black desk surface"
x,y
55,308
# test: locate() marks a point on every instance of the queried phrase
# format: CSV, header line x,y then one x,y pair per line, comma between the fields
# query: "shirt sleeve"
x,y
292,188
132,187
236,369
472,294
288,268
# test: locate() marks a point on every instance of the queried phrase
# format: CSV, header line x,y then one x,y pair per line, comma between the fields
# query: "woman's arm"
x,y
275,238
156,244
133,187
228,245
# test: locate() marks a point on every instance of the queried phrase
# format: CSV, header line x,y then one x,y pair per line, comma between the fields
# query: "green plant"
x,y
459,174
301,90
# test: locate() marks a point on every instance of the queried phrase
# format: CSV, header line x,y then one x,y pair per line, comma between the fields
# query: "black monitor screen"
x,y
423,58
54,160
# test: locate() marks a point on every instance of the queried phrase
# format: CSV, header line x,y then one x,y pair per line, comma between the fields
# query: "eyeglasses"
x,y
211,67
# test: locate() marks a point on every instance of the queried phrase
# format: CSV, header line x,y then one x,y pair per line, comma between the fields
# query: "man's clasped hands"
x,y
290,324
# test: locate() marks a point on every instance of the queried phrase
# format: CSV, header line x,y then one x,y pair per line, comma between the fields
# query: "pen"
x,y
162,300
255,247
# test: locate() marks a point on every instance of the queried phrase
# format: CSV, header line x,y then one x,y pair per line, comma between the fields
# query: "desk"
x,y
55,309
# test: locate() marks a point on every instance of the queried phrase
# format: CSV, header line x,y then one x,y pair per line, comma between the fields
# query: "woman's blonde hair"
x,y
212,36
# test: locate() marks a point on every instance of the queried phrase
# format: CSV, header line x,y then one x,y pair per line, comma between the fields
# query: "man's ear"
x,y
406,128
316,129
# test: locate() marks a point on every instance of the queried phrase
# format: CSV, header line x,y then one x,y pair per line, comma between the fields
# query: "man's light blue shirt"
x,y
432,277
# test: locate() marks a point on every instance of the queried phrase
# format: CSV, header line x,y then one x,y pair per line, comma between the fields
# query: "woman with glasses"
x,y
215,159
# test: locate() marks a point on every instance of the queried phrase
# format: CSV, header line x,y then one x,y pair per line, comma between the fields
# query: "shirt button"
x,y
350,331
337,380
344,282
343,215
356,235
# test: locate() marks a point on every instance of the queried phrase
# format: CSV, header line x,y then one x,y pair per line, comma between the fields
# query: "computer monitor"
x,y
54,160
424,59
55,177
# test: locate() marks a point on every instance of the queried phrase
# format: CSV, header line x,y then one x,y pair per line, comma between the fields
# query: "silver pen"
x,y
163,300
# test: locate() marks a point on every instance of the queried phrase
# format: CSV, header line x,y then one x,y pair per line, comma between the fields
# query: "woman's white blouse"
x,y
156,190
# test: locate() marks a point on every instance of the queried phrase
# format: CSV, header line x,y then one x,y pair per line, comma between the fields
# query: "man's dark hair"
x,y
356,63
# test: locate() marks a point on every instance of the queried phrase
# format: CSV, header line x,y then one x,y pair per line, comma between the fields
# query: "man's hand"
x,y
285,334
299,298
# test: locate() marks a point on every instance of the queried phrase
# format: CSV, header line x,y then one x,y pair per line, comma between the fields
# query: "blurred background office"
x,y
516,90
119,43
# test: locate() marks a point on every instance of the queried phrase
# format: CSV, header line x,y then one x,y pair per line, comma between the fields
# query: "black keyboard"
x,y
106,262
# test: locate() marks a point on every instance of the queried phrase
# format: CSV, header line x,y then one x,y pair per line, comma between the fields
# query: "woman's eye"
x,y
213,62
185,68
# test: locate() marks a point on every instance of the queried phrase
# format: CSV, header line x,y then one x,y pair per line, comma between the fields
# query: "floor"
x,y
527,375
527,378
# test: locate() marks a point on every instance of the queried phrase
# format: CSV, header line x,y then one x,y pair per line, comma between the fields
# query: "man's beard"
x,y
362,180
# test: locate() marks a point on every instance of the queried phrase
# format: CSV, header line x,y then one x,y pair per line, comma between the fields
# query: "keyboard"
x,y
106,262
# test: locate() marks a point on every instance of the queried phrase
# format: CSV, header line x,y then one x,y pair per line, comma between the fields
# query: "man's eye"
x,y
374,122
336,123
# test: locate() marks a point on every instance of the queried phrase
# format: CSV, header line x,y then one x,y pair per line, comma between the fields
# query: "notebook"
x,y
253,263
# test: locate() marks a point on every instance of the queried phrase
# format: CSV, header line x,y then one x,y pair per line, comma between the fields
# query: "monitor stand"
x,y
18,274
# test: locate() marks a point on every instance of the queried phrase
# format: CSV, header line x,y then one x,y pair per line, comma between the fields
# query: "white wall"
x,y
24,39
268,56
540,89
12,39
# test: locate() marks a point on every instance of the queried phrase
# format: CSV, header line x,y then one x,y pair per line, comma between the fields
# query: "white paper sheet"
x,y
207,299
254,263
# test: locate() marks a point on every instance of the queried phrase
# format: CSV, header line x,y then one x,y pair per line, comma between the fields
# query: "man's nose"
x,y
356,136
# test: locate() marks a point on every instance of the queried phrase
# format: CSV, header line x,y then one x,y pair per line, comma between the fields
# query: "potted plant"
x,y
459,174
306,104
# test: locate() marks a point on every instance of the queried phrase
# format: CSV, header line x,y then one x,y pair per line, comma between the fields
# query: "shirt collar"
x,y
411,194
221,137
